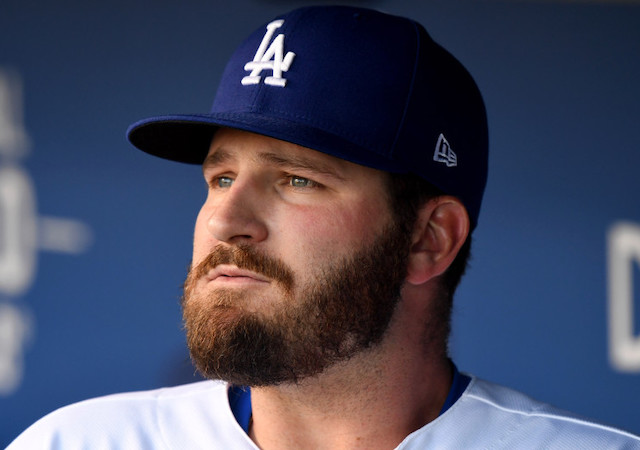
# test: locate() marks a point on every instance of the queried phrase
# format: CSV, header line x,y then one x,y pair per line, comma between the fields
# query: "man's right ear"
x,y
441,228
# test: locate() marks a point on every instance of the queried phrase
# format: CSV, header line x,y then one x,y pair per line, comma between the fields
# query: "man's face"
x,y
297,264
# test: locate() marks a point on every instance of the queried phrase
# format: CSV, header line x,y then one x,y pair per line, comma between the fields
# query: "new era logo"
x,y
269,57
443,152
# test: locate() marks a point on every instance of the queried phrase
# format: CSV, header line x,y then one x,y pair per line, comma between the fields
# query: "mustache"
x,y
245,257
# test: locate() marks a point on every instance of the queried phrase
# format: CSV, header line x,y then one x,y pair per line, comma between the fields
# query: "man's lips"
x,y
230,273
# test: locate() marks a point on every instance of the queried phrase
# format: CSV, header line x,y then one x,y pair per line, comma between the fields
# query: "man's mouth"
x,y
225,273
241,265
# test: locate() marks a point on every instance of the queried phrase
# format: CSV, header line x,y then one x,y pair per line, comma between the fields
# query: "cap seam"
x,y
416,62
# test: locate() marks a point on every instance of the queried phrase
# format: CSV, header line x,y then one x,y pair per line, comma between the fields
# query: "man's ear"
x,y
441,228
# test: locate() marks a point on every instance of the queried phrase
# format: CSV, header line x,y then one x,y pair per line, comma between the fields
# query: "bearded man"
x,y
345,158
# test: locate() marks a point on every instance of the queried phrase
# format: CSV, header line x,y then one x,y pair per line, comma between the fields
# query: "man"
x,y
345,158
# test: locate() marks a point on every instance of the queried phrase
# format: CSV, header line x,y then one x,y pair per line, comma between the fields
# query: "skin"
x,y
306,208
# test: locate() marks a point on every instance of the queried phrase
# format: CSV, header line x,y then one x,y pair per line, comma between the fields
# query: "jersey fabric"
x,y
240,398
199,416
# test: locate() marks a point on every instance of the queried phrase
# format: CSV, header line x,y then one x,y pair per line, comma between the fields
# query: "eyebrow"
x,y
220,155
293,163
289,162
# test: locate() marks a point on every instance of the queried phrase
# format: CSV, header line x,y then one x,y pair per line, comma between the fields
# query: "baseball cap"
x,y
354,83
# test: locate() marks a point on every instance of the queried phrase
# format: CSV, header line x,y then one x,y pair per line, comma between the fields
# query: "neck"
x,y
373,400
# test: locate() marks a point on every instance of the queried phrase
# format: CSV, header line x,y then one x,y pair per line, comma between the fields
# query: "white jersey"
x,y
198,416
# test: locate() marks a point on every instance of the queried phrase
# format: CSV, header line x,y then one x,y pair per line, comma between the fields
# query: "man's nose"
x,y
236,214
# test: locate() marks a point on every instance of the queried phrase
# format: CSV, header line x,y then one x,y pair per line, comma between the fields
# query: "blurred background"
x,y
95,236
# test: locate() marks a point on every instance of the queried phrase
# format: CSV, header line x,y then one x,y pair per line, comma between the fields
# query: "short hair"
x,y
407,194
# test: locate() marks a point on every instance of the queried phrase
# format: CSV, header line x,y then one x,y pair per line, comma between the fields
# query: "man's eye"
x,y
224,182
300,182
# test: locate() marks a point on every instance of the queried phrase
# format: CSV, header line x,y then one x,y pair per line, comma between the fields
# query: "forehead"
x,y
237,145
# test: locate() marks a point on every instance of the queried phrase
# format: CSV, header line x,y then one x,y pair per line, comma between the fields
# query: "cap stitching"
x,y
392,149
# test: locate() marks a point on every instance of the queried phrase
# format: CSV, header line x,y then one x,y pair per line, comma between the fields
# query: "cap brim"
x,y
181,137
187,137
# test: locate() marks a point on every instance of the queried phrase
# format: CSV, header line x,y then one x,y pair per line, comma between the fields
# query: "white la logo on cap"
x,y
272,58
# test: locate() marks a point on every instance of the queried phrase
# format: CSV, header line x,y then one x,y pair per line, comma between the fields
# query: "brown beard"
x,y
343,311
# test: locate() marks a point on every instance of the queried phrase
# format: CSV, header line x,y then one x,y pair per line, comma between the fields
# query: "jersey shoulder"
x,y
488,415
147,419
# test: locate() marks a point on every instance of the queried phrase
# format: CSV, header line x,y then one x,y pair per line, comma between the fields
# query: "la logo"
x,y
269,57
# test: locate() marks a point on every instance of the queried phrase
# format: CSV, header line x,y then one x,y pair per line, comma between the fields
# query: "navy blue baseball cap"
x,y
358,84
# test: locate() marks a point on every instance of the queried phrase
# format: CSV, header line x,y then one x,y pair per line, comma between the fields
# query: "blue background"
x,y
560,80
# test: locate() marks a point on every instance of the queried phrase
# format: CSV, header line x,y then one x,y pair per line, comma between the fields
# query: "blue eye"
x,y
300,182
224,182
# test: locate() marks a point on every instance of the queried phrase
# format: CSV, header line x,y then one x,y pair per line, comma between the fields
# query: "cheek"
x,y
362,221
334,230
